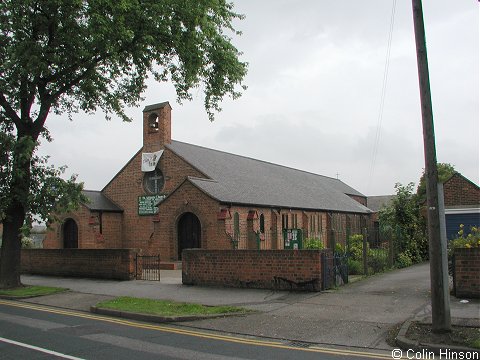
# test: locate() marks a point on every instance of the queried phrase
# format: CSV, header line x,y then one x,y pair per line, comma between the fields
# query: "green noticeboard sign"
x,y
293,239
147,205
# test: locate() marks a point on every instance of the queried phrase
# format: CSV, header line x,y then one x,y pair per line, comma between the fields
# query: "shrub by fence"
x,y
380,254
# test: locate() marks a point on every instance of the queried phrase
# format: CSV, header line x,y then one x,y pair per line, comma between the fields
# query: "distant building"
x,y
37,234
461,199
172,195
462,204
377,203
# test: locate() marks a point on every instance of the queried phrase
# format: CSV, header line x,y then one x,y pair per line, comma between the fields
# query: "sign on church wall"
x,y
150,160
147,205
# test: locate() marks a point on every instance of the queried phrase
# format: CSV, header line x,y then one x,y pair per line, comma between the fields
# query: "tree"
x,y
402,221
445,171
48,193
70,55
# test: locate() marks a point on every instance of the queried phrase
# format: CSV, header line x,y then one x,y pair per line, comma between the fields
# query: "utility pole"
x,y
441,321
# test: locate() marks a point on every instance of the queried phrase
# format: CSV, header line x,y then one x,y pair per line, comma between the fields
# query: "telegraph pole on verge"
x,y
440,298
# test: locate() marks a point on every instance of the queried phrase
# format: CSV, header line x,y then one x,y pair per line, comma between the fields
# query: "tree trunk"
x,y
11,247
15,214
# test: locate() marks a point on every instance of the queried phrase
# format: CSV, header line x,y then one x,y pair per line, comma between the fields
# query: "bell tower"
x,y
157,126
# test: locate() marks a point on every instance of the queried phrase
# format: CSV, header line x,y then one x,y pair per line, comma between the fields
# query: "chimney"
x,y
157,126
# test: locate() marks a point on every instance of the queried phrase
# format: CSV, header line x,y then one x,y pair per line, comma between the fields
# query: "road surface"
x,y
29,331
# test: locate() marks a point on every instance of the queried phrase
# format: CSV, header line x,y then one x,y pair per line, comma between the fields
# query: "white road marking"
x,y
36,348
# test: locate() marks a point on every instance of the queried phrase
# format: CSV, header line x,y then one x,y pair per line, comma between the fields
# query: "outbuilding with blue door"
x,y
462,204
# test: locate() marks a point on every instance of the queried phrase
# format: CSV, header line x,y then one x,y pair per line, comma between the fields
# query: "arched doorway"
x,y
189,233
70,234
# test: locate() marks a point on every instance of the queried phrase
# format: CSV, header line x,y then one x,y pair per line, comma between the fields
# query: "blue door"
x,y
453,222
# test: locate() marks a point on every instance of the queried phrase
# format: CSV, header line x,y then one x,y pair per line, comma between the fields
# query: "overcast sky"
x,y
315,79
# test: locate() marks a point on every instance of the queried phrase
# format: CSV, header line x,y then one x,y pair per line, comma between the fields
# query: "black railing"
x,y
147,267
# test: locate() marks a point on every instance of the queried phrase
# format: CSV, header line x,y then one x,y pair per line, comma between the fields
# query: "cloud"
x,y
315,80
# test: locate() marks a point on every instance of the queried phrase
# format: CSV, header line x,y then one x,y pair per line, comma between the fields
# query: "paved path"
x,y
358,315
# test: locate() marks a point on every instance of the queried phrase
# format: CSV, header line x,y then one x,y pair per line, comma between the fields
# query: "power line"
x,y
382,96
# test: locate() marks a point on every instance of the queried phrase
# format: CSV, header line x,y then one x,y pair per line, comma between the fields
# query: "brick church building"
x,y
172,195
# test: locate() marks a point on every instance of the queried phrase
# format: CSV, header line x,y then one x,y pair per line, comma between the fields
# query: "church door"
x,y
70,234
189,233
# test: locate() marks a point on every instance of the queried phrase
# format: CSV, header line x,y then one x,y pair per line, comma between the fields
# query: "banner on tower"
x,y
150,160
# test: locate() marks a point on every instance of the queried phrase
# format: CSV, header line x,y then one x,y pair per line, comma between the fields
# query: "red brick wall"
x,y
158,234
103,264
127,186
264,269
89,235
176,170
467,272
459,191
248,226
273,238
155,139
361,199
188,198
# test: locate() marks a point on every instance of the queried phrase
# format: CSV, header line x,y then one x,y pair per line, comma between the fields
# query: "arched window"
x,y
262,223
70,234
236,226
153,181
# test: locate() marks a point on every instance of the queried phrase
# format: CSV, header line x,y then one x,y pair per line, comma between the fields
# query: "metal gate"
x,y
334,270
147,267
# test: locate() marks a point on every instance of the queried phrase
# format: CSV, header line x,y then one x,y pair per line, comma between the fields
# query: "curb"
x,y
406,344
10,297
26,297
157,318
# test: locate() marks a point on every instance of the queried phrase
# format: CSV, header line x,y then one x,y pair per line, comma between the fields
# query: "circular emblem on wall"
x,y
153,181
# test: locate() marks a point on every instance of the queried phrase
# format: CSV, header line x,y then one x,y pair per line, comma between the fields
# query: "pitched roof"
x,y
97,201
457,174
241,180
375,203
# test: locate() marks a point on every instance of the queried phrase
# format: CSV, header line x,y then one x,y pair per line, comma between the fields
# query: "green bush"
x,y
355,267
339,249
404,260
313,244
470,241
403,224
377,260
356,247
27,243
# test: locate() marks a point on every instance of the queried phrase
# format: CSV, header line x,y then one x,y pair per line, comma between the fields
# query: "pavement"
x,y
357,315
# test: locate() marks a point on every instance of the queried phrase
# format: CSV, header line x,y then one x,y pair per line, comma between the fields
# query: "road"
x,y
29,331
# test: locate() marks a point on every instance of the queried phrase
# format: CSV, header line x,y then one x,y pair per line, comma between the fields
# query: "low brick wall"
x,y
94,263
262,269
467,272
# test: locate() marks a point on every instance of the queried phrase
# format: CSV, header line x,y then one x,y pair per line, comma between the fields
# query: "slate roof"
x,y
241,180
156,106
376,203
99,202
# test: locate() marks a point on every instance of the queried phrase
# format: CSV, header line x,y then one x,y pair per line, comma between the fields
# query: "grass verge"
x,y
31,291
165,307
